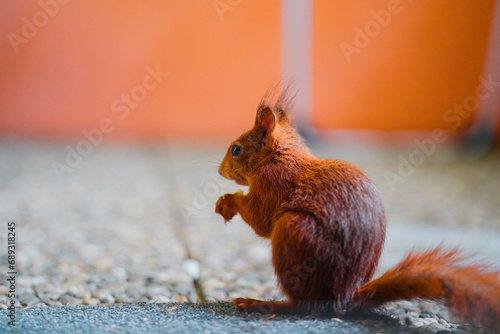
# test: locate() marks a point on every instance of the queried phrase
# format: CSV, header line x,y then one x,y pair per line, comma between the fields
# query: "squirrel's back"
x,y
341,227
336,190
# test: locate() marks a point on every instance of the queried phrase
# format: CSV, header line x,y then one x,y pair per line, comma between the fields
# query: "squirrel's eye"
x,y
235,150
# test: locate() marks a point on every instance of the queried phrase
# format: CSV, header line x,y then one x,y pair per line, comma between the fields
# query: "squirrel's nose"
x,y
223,171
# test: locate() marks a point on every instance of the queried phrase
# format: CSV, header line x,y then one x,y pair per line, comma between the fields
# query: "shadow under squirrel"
x,y
326,223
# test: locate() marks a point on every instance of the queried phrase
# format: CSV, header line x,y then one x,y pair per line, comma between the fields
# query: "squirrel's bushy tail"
x,y
470,291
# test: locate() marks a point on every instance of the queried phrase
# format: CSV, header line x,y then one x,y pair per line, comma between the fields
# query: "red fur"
x,y
471,291
326,224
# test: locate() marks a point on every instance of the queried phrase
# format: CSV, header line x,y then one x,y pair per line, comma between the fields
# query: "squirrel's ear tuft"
x,y
265,122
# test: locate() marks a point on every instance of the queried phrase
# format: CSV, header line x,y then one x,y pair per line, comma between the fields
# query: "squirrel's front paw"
x,y
226,207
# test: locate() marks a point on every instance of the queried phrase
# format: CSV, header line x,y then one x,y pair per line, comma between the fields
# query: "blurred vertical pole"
x,y
481,135
296,58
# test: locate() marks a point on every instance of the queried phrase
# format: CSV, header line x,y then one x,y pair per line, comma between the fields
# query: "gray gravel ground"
x,y
135,224
188,318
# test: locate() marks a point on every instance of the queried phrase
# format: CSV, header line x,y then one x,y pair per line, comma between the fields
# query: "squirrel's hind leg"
x,y
263,306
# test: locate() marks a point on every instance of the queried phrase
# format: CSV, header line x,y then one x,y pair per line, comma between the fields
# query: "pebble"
x,y
161,299
229,276
91,301
435,327
108,299
135,292
66,298
123,300
120,274
244,282
39,304
104,296
428,321
429,307
162,277
74,302
217,294
213,283
182,299
397,311
240,294
409,306
414,322
79,292
28,299
50,292
444,322
443,314
52,303
192,267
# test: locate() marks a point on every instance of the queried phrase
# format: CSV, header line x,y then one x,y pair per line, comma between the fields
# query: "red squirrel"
x,y
326,224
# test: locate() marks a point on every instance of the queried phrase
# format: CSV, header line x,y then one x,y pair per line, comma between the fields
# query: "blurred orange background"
x,y
67,65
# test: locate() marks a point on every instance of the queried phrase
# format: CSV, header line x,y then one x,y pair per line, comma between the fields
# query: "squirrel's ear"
x,y
265,122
